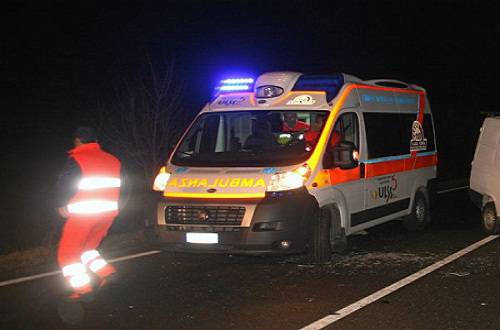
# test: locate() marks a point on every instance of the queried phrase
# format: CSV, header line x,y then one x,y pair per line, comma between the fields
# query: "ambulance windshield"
x,y
250,138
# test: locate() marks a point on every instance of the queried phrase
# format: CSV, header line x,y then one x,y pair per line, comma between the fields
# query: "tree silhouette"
x,y
144,119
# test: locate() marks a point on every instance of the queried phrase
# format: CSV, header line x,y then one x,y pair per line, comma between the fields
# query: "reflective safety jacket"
x,y
98,188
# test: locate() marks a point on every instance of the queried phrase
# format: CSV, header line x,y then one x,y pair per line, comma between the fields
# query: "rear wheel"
x,y
420,216
319,243
490,220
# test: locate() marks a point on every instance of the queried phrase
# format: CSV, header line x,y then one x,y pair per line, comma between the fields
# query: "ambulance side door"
x,y
387,181
349,182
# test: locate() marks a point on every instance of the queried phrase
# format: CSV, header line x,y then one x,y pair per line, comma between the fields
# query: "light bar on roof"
x,y
231,81
330,84
234,85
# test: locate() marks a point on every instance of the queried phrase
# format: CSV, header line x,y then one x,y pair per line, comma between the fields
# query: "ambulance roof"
x,y
288,90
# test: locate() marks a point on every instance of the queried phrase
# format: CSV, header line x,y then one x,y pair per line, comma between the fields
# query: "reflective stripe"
x,y
386,159
73,269
90,207
215,196
427,153
99,182
97,264
87,256
80,280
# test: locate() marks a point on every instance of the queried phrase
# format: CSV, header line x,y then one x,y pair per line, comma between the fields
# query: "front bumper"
x,y
279,217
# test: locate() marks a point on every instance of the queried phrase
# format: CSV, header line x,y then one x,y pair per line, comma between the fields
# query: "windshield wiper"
x,y
185,153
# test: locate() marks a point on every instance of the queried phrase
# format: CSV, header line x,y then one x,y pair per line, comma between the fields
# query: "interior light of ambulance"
x,y
290,179
268,91
284,138
161,180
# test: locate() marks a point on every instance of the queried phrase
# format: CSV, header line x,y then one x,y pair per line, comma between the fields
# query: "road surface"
x,y
181,291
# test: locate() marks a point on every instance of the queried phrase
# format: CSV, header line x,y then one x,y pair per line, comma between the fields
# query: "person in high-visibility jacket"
x,y
88,189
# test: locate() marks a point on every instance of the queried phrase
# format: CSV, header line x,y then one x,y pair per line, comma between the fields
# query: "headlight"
x,y
161,180
290,180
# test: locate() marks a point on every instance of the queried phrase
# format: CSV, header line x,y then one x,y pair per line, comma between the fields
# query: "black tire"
x,y
338,239
420,215
489,219
319,243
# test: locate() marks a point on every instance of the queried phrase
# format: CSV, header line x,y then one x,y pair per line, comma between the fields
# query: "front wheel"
x,y
419,216
338,239
319,243
490,220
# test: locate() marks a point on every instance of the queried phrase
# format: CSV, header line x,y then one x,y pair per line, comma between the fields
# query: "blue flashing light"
x,y
231,81
234,85
331,84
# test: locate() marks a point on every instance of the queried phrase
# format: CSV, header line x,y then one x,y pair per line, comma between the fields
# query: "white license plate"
x,y
202,238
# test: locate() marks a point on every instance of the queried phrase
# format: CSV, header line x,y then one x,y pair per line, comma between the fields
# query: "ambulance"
x,y
293,162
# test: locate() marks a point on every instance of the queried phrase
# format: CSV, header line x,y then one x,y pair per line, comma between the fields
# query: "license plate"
x,y
202,238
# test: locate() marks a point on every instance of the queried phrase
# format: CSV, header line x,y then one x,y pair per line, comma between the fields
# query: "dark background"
x,y
61,60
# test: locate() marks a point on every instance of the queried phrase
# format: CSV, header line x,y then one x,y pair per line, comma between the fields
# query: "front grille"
x,y
204,215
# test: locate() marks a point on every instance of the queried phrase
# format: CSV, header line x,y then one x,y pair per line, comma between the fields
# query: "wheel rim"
x,y
420,211
489,219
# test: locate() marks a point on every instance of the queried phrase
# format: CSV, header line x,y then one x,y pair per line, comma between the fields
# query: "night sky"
x,y
60,60
63,56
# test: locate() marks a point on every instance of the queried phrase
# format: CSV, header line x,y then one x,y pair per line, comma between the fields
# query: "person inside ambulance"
x,y
316,127
336,137
262,137
291,123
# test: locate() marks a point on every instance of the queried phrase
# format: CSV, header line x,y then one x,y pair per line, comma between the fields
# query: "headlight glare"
x,y
290,179
161,180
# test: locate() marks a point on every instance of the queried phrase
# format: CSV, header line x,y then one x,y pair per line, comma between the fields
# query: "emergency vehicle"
x,y
293,162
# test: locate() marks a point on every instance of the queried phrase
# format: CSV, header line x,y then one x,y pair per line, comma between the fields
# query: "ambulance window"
x,y
407,120
208,138
221,137
387,134
345,129
251,138
429,132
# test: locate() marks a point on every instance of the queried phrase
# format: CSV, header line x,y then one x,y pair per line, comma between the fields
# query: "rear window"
x,y
389,134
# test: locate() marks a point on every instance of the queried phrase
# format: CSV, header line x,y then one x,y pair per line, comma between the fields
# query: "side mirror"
x,y
341,155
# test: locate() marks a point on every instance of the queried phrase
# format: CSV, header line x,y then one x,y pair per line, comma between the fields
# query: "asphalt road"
x,y
180,291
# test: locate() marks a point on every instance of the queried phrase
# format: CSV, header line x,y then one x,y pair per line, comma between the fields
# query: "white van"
x,y
485,175
293,162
